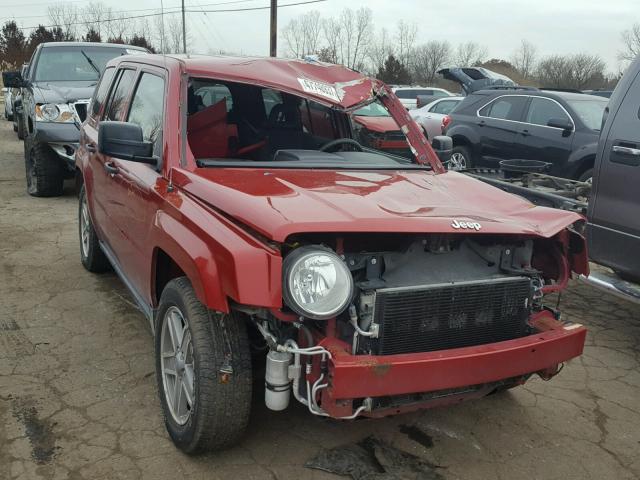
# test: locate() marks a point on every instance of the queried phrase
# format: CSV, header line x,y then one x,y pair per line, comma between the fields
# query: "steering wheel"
x,y
341,141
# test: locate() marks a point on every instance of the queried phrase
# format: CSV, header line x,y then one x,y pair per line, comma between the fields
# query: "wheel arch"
x,y
191,257
583,164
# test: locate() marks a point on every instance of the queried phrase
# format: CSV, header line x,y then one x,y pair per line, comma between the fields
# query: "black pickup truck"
x,y
55,90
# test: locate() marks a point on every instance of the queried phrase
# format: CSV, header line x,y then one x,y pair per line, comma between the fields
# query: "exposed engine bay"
x,y
386,295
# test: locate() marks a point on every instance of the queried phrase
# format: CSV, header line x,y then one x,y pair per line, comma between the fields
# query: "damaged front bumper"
x,y
443,377
63,138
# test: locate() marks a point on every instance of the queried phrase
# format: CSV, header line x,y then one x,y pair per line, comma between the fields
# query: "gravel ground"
x,y
78,395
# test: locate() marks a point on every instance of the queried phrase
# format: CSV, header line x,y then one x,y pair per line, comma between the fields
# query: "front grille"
x,y
394,135
81,110
443,316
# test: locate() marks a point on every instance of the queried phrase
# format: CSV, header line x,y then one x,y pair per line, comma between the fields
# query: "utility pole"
x,y
184,31
273,48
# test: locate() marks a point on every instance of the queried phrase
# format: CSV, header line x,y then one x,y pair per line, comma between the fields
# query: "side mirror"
x,y
562,123
12,79
443,146
125,141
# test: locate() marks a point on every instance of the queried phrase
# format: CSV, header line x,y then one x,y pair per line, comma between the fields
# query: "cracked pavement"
x,y
78,392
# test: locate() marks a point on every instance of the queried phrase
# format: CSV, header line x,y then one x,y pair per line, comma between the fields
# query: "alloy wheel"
x,y
177,364
457,162
85,228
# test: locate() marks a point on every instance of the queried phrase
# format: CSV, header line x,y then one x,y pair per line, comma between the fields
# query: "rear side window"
x,y
444,106
116,105
101,92
541,110
406,94
147,106
504,108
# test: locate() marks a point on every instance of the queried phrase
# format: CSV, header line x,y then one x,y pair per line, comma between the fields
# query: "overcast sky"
x,y
554,26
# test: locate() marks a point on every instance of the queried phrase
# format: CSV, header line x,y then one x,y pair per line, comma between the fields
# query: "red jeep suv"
x,y
257,235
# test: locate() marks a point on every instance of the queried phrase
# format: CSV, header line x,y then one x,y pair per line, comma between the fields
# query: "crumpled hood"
x,y
277,203
377,124
62,92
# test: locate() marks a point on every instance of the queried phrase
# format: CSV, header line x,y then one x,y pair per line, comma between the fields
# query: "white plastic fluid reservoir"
x,y
277,384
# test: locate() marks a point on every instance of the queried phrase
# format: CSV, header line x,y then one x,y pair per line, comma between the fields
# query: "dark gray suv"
x,y
560,128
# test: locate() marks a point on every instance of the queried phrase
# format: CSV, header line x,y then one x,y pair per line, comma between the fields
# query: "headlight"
x,y
51,112
316,283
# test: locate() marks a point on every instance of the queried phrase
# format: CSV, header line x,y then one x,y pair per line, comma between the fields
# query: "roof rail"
x,y
507,87
568,90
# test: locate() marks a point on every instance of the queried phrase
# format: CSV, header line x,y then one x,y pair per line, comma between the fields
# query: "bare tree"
x,y
524,59
428,59
65,16
380,49
470,54
585,68
363,32
355,30
332,30
631,42
571,71
405,40
93,15
118,26
302,34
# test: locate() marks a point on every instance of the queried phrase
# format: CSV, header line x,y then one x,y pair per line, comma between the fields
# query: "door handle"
x,y
110,168
91,147
481,123
626,150
525,133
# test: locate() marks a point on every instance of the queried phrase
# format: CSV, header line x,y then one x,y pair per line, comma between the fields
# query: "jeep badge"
x,y
473,225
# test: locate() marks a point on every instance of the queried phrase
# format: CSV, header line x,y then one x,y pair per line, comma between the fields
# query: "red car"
x,y
253,229
374,127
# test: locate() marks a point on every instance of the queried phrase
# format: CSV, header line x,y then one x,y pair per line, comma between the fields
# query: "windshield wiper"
x,y
93,65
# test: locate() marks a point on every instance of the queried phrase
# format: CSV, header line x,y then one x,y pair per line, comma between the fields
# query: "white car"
x,y
409,95
430,116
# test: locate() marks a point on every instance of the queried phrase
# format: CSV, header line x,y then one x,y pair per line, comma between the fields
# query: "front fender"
x,y
220,259
195,262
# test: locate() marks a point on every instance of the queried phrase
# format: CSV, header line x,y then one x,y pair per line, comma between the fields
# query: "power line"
x,y
166,13
132,10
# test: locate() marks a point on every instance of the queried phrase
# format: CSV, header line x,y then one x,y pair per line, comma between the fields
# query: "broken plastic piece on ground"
x,y
374,459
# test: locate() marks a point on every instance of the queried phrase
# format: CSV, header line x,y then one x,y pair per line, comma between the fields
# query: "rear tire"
x,y
20,129
91,255
44,171
460,158
207,360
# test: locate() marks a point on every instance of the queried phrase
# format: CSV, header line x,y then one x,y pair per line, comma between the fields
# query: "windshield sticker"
x,y
319,88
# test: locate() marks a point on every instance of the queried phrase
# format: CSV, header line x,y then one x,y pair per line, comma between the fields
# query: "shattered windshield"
x,y
241,125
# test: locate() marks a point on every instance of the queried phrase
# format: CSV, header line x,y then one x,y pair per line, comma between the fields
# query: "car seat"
x,y
208,133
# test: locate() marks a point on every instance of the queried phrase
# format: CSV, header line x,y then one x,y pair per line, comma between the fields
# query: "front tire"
x,y
460,158
203,369
91,255
44,171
